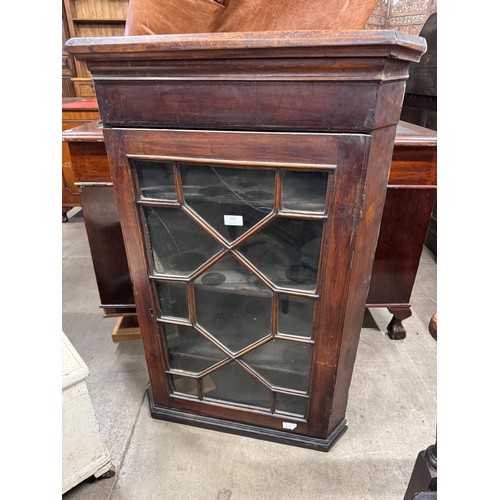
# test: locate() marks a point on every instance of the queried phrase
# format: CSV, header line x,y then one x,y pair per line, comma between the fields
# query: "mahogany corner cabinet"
x,y
250,172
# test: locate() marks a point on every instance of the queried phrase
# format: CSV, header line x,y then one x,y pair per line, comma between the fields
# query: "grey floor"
x,y
391,412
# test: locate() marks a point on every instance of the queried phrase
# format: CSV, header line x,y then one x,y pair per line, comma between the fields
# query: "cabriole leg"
x,y
395,328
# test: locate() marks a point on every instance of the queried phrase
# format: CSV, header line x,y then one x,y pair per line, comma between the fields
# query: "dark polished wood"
x,y
407,213
107,249
254,431
185,71
90,166
305,100
411,194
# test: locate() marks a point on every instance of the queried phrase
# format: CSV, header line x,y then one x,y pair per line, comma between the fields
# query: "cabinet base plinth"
x,y
284,437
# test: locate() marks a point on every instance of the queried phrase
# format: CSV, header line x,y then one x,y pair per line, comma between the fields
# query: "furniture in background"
x,y
68,65
74,112
90,167
410,196
86,18
84,453
407,16
250,174
420,103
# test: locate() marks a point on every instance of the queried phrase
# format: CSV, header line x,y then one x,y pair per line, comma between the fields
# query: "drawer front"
x,y
305,105
90,162
71,118
413,166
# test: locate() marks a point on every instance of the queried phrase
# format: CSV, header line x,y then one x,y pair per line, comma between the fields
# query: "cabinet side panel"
x,y
335,277
106,246
370,215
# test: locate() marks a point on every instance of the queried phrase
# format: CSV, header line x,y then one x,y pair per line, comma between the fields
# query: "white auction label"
x,y
233,220
289,425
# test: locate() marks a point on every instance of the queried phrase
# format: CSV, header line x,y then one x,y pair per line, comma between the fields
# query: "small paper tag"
x,y
233,220
289,425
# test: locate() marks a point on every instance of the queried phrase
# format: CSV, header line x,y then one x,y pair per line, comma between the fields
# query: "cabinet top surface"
x,y
87,132
409,134
376,43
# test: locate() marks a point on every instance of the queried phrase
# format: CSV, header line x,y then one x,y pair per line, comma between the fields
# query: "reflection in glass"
x,y
185,385
286,403
233,304
156,180
179,245
234,384
304,191
173,299
283,363
287,252
188,350
215,192
295,315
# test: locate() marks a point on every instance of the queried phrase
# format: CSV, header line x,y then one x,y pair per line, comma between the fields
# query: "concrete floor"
x,y
391,412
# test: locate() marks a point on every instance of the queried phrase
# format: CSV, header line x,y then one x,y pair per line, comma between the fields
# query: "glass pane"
x,y
295,405
283,363
231,200
185,385
295,315
304,191
234,384
156,180
233,304
173,299
188,350
179,245
287,252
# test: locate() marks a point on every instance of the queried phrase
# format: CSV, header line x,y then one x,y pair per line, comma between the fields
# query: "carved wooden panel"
x,y
404,15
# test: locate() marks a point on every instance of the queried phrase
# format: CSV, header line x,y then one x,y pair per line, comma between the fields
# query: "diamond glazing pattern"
x,y
235,272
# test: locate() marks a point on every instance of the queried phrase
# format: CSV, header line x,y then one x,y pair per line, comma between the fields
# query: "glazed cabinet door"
x,y
239,245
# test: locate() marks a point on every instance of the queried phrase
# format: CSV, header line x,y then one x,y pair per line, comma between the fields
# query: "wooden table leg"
x,y
395,328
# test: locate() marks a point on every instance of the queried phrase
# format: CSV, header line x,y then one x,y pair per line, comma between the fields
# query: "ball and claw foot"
x,y
395,328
